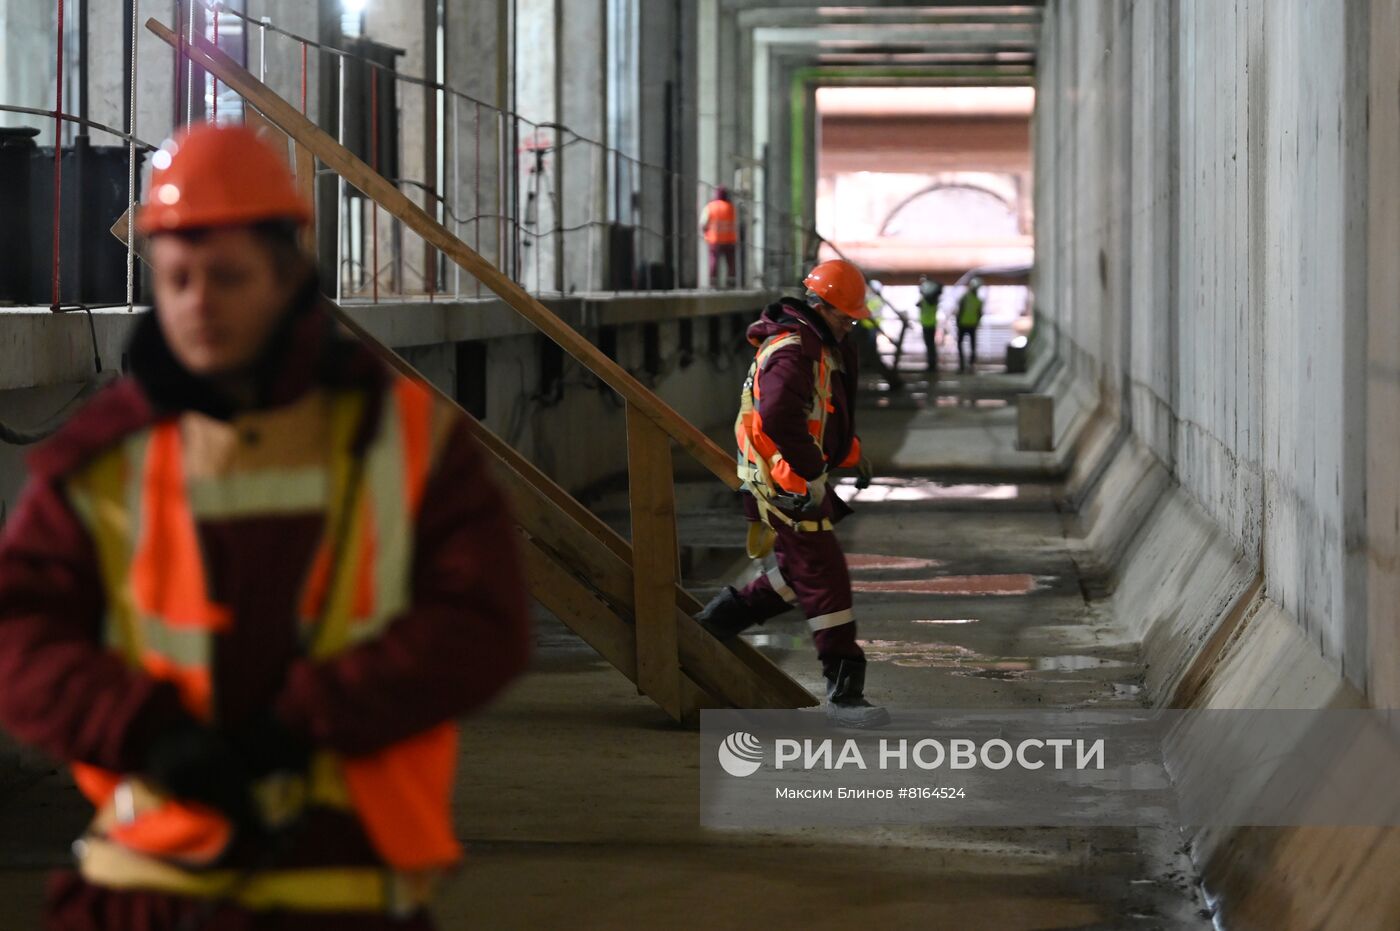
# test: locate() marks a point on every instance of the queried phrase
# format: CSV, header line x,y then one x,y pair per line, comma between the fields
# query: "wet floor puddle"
x,y
1009,584
906,490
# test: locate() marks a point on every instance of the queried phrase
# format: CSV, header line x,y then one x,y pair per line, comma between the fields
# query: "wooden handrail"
x,y
387,195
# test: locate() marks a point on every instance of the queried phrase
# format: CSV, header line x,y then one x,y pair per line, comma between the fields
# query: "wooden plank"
x,y
580,609
269,131
388,196
655,560
118,230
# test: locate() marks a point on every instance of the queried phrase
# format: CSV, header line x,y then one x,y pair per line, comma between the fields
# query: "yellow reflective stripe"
x,y
327,781
772,345
328,889
331,636
386,484
382,496
265,491
183,646
105,496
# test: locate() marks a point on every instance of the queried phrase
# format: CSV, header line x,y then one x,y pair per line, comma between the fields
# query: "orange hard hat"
x,y
212,175
841,285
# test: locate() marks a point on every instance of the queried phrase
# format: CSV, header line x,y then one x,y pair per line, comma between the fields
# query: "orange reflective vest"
x,y
762,468
721,227
141,509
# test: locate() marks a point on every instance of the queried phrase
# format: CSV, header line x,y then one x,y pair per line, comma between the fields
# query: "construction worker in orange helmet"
x,y
226,603
796,424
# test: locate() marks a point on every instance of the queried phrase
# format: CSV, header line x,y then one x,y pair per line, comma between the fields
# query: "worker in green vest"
x,y
930,292
969,317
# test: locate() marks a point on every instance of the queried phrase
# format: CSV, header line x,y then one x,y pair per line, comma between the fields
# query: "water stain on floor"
x,y
873,561
965,661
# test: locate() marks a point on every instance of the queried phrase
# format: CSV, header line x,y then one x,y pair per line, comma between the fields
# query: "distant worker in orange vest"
x,y
249,587
720,224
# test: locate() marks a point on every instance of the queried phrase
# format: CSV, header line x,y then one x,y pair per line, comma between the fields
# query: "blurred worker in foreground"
x,y
796,423
248,589
930,293
969,318
720,225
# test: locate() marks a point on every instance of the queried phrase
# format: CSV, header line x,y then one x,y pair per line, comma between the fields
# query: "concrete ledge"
x,y
1181,576
1212,639
40,348
1113,507
1303,877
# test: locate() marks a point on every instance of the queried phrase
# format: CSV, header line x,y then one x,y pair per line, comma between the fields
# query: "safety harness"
x,y
764,472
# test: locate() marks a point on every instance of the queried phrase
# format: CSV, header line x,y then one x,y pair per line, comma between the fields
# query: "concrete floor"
x,y
580,803
583,805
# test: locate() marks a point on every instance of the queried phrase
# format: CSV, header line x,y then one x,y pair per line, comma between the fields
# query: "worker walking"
x,y
930,293
796,423
969,318
249,587
720,225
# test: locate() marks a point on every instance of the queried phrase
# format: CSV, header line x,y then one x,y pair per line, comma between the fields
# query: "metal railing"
x,y
497,183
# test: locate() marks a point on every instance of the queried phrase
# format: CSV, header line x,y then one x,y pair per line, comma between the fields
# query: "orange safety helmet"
x,y
841,285
212,175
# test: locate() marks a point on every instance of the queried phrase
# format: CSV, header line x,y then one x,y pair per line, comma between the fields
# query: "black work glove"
x,y
268,746
807,506
865,472
197,764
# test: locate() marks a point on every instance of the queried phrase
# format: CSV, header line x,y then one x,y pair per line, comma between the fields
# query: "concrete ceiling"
x,y
956,41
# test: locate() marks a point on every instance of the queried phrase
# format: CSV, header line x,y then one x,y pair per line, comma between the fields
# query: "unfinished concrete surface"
x,y
1216,253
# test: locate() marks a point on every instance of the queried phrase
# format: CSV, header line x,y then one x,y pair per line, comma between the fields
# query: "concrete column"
x,y
538,32
283,71
478,59
1382,538
402,253
688,142
711,101
659,118
108,57
583,165
28,60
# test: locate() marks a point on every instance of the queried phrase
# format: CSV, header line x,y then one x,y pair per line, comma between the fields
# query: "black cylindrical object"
x,y
16,152
92,262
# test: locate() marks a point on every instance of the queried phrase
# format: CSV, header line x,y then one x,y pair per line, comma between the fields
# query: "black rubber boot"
x,y
845,697
726,616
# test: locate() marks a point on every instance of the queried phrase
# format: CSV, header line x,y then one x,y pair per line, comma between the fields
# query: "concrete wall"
x,y
574,431
1218,223
1203,236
